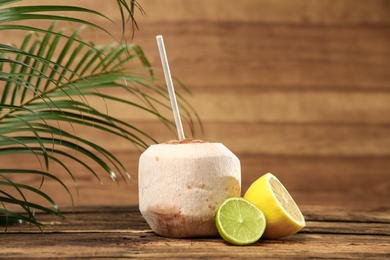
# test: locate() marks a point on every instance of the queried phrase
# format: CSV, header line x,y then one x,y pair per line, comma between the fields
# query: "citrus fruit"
x,y
281,212
239,222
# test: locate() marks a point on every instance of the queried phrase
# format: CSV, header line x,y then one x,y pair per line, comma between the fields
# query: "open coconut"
x,y
181,186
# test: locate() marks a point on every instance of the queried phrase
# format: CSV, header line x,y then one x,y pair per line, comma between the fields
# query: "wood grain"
x,y
268,106
300,89
358,181
244,54
277,11
273,139
121,232
297,88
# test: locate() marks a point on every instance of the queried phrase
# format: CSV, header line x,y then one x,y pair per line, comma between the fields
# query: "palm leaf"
x,y
46,83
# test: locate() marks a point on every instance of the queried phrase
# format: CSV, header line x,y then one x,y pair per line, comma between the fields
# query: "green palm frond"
x,y
46,84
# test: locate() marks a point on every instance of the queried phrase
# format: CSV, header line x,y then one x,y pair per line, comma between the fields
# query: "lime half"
x,y
239,221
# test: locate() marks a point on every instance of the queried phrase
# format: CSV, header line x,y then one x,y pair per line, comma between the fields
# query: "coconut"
x,y
181,185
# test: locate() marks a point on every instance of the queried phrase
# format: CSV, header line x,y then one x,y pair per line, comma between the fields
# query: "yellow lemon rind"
x,y
279,222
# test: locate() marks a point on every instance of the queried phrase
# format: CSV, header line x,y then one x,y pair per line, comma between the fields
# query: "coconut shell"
x,y
182,185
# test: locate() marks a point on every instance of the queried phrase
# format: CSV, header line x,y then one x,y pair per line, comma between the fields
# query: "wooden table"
x,y
121,232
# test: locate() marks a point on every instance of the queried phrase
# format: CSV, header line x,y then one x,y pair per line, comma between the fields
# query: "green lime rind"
x,y
239,221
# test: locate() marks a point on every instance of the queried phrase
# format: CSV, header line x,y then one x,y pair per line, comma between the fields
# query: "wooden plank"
x,y
282,139
99,219
249,54
348,214
266,106
301,107
97,234
325,180
277,11
323,227
116,245
312,181
307,139
266,11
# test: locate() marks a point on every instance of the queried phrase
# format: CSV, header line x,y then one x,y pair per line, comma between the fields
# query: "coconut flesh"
x,y
181,186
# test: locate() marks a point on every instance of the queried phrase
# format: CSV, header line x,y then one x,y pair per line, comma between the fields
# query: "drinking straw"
x,y
171,90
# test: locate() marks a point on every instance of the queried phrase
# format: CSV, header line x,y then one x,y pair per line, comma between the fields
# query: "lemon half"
x,y
282,214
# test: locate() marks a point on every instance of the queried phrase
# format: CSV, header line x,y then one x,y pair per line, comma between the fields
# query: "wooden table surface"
x,y
121,232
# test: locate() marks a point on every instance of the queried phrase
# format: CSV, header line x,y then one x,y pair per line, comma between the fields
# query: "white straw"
x,y
171,91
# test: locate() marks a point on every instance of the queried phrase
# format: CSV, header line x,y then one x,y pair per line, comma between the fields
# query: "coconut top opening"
x,y
185,141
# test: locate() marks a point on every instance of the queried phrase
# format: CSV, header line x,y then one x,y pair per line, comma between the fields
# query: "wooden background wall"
x,y
297,88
